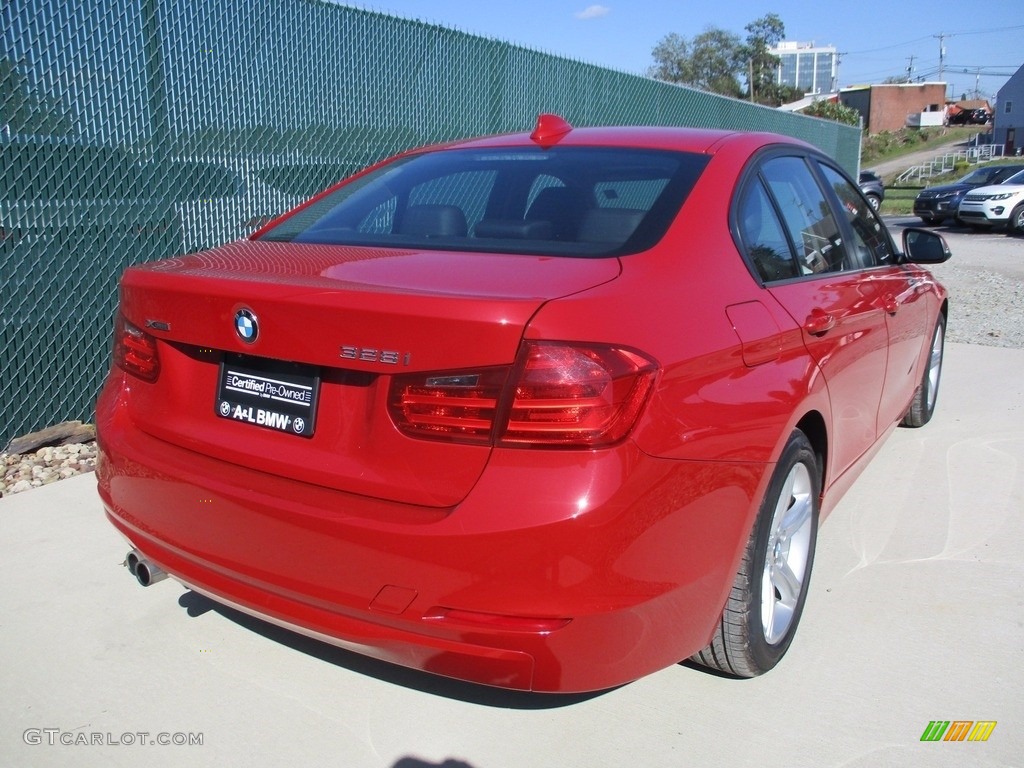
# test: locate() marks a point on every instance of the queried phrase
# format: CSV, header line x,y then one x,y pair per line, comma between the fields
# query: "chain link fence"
x,y
136,130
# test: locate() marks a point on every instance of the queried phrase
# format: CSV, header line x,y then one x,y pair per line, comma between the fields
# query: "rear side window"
x,y
806,215
763,237
565,201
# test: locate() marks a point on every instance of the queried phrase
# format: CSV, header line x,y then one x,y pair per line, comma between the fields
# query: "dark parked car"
x,y
935,204
872,187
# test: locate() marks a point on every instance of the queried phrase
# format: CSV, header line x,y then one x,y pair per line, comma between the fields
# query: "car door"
x,y
819,280
903,291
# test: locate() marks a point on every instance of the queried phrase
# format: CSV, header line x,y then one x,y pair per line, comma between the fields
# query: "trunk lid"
x,y
342,320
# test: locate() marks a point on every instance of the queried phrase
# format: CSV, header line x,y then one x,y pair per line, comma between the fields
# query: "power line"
x,y
928,37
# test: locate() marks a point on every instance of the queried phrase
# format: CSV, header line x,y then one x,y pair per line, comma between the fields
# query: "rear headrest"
x,y
514,229
609,225
433,221
563,207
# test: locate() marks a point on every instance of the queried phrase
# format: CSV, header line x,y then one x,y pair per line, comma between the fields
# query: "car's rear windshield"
x,y
560,201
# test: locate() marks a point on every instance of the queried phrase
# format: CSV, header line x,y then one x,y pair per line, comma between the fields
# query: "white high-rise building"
x,y
807,67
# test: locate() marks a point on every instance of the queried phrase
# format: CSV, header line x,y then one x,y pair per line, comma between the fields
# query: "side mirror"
x,y
922,246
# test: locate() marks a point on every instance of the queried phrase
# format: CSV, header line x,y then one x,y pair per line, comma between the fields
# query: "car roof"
x,y
998,189
700,140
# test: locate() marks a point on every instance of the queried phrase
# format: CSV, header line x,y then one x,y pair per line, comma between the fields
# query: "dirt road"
x,y
889,168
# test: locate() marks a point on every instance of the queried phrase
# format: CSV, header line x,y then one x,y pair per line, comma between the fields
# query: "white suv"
x,y
1000,206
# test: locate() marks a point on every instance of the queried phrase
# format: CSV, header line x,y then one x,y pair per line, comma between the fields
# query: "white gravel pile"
x,y
23,472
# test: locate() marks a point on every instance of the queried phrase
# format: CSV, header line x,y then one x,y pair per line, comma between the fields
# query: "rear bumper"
x,y
560,571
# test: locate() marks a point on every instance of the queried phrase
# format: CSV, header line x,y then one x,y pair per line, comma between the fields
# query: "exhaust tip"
x,y
145,572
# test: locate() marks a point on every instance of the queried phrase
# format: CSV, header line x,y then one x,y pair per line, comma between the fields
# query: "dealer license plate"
x,y
269,393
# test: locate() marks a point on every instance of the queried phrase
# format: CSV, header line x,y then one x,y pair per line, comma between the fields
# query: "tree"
x,y
672,60
709,62
715,59
762,35
833,110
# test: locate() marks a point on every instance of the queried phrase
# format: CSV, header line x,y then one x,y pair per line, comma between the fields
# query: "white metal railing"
x,y
945,163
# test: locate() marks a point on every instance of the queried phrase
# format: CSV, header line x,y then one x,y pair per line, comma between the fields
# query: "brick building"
x,y
886,107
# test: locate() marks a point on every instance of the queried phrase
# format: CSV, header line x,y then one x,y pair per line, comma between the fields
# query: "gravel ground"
x,y
23,472
986,307
985,280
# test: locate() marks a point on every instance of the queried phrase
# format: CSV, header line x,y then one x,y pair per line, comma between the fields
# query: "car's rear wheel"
x,y
922,407
875,201
768,593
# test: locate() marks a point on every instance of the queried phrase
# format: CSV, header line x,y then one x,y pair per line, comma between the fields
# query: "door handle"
x,y
890,304
819,322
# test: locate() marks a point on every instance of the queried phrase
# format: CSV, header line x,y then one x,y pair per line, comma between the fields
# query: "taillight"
x,y
557,395
135,350
576,395
451,405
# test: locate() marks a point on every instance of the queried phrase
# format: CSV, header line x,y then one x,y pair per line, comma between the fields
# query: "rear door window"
x,y
807,216
871,244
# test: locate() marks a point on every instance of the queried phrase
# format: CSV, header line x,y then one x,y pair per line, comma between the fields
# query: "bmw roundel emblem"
x,y
246,326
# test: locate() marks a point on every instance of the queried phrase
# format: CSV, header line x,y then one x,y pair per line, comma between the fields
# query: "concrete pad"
x,y
915,614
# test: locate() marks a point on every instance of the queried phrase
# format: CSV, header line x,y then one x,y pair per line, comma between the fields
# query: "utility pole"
x,y
910,69
942,53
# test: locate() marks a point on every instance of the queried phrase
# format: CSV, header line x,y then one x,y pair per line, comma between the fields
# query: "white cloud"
x,y
593,12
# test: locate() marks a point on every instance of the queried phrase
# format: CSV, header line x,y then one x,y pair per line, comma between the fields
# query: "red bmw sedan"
x,y
546,411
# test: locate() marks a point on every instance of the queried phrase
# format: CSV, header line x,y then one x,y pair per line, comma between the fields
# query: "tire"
x,y
922,407
770,588
1015,225
874,201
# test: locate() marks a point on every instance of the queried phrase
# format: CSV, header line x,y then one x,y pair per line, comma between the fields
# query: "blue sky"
x,y
877,39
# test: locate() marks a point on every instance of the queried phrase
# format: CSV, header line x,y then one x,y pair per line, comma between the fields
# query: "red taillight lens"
x,y
450,405
557,395
572,395
135,350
